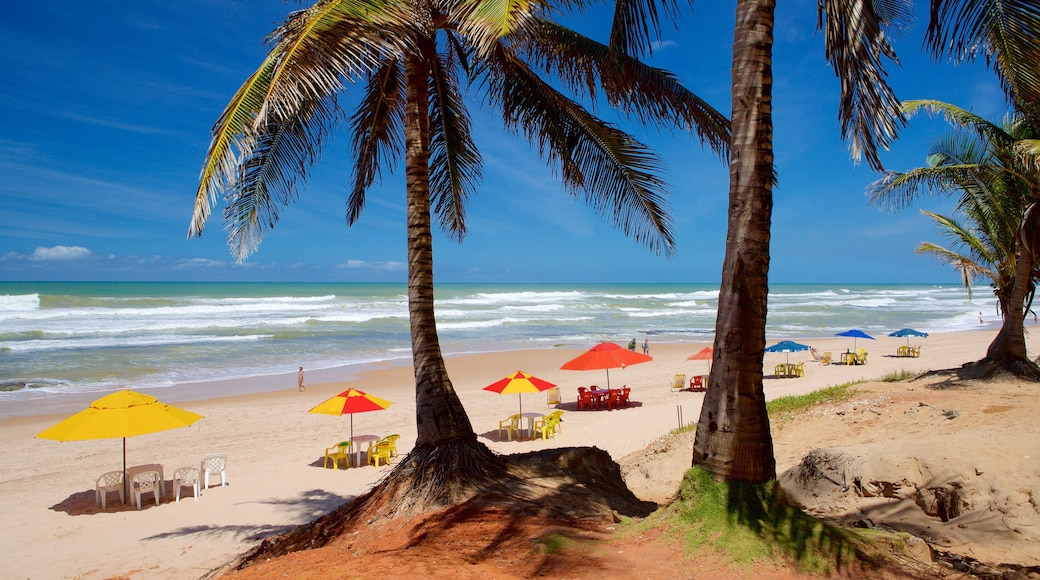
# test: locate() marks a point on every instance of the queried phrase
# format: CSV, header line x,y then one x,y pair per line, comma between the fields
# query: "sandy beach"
x,y
52,527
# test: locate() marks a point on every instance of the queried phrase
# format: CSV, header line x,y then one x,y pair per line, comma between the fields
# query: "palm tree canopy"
x,y
275,126
1005,32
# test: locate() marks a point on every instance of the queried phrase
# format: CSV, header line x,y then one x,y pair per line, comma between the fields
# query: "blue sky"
x,y
106,110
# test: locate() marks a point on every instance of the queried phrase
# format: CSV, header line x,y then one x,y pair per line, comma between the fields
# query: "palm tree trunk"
x,y
440,416
1009,345
733,440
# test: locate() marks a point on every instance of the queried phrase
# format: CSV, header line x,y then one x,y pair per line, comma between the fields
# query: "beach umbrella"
x,y
705,353
855,333
605,355
908,332
787,346
519,383
120,415
349,402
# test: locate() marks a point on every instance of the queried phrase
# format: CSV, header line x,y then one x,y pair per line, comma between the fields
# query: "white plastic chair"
x,y
186,477
145,482
108,482
214,464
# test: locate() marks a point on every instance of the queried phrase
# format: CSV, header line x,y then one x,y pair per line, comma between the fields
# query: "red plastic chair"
x,y
624,396
696,383
584,398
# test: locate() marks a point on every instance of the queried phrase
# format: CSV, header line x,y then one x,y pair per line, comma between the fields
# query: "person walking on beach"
x,y
299,381
646,346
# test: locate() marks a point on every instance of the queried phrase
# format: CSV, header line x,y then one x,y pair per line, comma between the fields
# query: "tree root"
x,y
987,369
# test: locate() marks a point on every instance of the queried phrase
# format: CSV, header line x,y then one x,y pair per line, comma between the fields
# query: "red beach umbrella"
x,y
349,402
605,355
706,353
519,383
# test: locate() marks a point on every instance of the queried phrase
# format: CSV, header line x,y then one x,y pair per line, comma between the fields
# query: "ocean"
x,y
59,338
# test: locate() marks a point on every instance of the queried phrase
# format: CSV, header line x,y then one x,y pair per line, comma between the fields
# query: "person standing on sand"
x,y
646,346
299,381
632,345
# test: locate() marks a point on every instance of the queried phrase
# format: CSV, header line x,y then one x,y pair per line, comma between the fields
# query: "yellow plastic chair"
x,y
796,370
916,351
381,450
338,451
780,370
861,358
552,396
391,440
510,424
679,383
547,426
826,358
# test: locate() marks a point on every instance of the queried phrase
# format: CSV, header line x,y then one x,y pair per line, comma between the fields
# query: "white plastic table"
x,y
530,421
357,440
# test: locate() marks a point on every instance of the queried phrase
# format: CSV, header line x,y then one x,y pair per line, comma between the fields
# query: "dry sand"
x,y
52,527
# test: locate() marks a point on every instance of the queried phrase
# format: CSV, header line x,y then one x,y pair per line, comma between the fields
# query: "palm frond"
x,y
275,126
652,95
485,22
454,160
856,41
984,128
278,157
616,173
637,24
377,128
897,190
1028,153
1006,31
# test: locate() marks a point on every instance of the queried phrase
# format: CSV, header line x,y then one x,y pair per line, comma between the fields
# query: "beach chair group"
x,y
149,479
596,398
382,450
908,351
789,370
547,426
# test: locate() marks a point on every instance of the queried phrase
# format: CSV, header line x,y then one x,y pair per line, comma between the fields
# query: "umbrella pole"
x,y
126,484
520,397
608,379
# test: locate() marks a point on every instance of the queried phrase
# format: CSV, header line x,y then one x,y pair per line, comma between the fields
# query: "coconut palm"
x,y
414,60
733,440
984,165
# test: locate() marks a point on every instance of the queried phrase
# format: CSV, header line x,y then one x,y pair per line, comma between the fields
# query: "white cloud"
x,y
376,266
198,263
59,253
663,44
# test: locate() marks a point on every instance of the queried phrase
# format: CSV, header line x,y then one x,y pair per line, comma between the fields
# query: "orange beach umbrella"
x,y
605,355
705,353
349,402
519,383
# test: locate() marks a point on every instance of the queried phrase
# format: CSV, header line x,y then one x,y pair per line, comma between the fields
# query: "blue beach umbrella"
x,y
787,346
855,333
908,332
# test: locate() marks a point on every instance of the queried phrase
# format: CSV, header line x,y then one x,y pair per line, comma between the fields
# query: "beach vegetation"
x,y
994,231
750,523
412,64
733,437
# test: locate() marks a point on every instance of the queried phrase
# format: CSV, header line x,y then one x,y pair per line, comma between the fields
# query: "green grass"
x,y
756,523
553,542
783,409
896,376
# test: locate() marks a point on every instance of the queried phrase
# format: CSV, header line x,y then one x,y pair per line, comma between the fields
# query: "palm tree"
x,y
997,184
414,60
733,440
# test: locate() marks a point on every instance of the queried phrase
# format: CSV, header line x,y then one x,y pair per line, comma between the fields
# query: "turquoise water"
x,y
60,338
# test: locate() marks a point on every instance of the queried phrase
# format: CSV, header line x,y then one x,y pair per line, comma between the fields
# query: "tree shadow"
x,y
308,505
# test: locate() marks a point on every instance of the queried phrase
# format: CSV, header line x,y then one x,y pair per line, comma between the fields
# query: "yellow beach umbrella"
x,y
120,414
